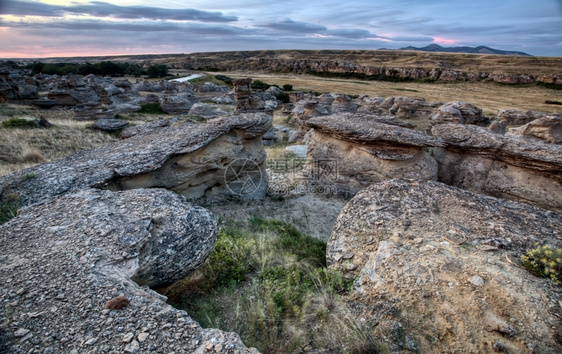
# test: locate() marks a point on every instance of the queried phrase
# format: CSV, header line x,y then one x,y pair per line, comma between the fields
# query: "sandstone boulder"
x,y
460,113
110,125
63,260
146,128
178,104
202,109
348,152
192,160
503,166
515,117
436,269
547,129
92,111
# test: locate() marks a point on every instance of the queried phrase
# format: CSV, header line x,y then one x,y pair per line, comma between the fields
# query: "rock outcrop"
x,y
503,166
460,113
242,94
436,269
177,104
145,128
92,111
401,107
348,152
110,125
547,129
68,265
222,157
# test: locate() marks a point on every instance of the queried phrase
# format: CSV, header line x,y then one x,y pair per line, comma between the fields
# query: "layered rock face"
x,y
352,151
401,107
503,166
223,156
62,260
547,129
436,269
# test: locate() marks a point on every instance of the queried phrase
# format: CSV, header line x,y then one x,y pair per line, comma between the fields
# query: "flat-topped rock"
x,y
365,128
500,165
62,261
436,269
348,152
191,160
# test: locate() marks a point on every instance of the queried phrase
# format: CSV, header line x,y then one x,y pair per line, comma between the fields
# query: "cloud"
x,y
412,39
354,33
289,25
104,9
136,27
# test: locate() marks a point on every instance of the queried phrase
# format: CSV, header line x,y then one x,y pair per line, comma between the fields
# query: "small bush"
x,y
553,102
287,87
260,85
7,212
226,79
18,123
544,262
151,108
283,97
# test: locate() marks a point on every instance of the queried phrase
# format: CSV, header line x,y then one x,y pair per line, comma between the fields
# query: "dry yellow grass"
x,y
23,148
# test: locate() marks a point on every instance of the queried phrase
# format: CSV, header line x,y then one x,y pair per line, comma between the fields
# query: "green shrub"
x,y
544,262
227,80
287,87
553,102
18,123
7,212
159,70
151,108
283,97
260,85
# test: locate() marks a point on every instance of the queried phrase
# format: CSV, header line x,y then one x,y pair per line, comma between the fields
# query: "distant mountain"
x,y
472,50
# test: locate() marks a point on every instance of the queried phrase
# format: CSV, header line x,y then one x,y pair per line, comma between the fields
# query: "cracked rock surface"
x,y
190,160
62,260
437,269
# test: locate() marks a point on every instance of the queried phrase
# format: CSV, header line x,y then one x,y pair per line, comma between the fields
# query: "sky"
x,y
55,28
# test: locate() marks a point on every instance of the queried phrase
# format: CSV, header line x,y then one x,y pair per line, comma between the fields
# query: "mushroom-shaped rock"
x,y
504,166
348,152
192,160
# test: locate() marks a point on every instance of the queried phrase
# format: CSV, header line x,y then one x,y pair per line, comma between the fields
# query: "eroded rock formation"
x,y
436,269
547,129
503,166
93,243
349,152
192,160
459,112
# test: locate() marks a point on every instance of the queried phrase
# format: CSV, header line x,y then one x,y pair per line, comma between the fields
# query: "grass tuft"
x,y
18,123
270,284
8,211
151,108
